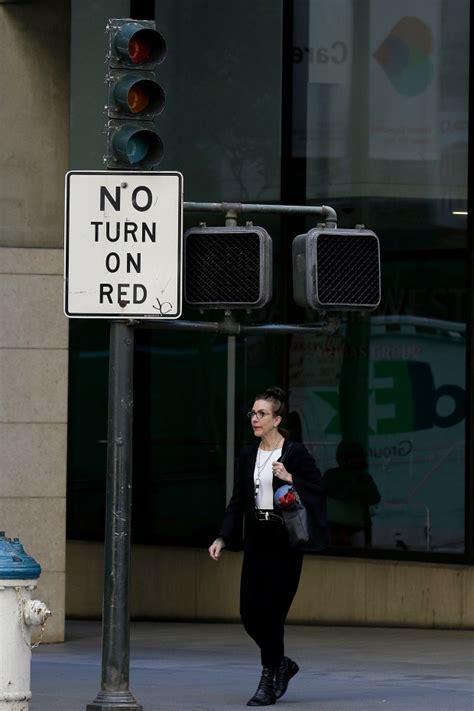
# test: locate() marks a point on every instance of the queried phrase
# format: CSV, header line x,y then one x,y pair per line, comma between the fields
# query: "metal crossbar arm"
x,y
327,213
233,328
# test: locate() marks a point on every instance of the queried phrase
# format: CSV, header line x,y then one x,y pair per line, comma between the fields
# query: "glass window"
x,y
381,122
222,78
385,113
221,128
376,127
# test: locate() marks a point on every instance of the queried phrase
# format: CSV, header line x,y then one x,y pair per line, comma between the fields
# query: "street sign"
x,y
123,245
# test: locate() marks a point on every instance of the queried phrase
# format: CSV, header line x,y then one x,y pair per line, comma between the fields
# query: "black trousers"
x,y
268,585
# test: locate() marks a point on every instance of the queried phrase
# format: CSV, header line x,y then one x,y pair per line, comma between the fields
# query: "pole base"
x,y
114,701
113,707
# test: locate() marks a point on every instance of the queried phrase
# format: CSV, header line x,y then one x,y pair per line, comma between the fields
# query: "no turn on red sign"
x,y
123,245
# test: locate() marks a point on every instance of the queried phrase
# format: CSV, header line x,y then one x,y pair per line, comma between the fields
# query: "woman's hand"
x,y
215,548
280,472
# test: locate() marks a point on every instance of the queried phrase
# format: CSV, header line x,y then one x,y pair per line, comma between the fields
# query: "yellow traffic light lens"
x,y
135,95
138,99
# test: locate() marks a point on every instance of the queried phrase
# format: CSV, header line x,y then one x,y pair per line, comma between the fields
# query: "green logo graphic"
x,y
414,397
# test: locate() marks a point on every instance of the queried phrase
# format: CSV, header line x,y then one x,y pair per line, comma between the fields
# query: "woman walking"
x,y
271,569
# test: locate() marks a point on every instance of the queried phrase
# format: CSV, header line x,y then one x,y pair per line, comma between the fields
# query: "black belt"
x,y
262,515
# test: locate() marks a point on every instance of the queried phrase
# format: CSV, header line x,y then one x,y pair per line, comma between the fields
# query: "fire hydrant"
x,y
19,575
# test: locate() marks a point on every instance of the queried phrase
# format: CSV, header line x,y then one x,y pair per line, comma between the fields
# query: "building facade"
x,y
363,106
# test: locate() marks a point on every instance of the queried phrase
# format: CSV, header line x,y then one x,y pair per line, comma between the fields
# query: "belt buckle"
x,y
268,516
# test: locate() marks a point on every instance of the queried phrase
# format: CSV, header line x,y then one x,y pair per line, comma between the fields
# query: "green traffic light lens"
x,y
144,145
137,146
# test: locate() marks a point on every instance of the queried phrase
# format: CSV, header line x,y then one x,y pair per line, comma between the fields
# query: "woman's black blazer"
x,y
238,525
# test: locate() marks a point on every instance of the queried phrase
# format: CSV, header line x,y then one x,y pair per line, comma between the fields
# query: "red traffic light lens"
x,y
146,46
136,44
140,48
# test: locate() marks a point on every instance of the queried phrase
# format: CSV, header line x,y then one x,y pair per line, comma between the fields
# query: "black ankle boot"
x,y
286,671
265,694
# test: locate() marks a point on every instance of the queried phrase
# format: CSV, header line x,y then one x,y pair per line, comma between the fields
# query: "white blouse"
x,y
263,477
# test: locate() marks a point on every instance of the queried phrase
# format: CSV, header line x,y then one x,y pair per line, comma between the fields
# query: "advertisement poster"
x,y
381,99
404,92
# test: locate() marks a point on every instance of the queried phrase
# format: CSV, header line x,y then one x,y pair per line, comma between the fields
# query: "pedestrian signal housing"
x,y
135,97
227,267
337,270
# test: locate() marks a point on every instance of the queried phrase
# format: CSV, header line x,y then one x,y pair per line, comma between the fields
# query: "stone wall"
x,y
185,584
34,114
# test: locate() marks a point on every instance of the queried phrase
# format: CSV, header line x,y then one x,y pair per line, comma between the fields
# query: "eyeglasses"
x,y
259,414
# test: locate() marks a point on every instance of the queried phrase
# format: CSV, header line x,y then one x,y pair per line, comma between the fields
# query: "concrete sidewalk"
x,y
214,667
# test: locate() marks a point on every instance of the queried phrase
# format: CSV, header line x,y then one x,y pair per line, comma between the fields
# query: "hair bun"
x,y
276,393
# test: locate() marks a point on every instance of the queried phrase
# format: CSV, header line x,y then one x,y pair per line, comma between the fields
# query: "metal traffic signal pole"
x,y
114,693
132,143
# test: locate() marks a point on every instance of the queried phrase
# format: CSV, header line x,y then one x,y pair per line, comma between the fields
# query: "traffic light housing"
x,y
135,97
337,270
227,267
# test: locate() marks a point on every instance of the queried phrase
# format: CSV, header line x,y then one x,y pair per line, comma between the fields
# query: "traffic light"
x,y
134,95
227,267
337,270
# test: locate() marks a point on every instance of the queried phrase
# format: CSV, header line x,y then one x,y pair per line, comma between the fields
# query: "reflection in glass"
x,y
351,496
383,120
380,121
415,424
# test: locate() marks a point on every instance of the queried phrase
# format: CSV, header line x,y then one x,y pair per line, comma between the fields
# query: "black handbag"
x,y
296,518
297,524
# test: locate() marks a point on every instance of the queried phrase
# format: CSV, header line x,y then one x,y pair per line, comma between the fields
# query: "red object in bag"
x,y
287,500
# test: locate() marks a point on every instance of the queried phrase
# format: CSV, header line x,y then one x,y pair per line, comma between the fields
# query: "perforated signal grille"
x,y
222,268
348,269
